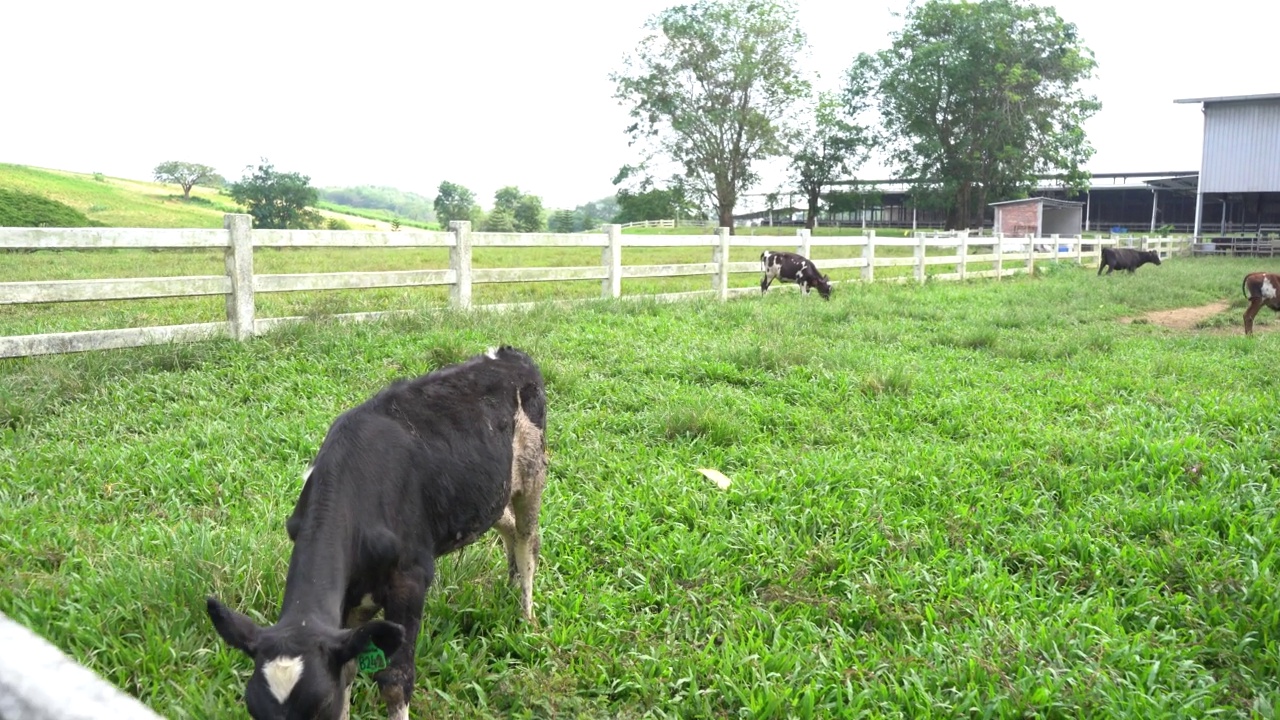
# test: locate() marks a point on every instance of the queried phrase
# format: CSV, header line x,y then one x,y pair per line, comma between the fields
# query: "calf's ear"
x,y
386,636
235,628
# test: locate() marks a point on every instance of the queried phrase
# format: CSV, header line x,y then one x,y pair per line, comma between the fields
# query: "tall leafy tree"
x,y
454,202
830,145
507,198
529,216
184,174
275,199
708,88
977,98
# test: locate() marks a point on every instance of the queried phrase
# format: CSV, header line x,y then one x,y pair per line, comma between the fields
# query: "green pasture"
x,y
981,499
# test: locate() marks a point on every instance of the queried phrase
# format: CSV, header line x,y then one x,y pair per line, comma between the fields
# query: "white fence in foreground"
x,y
38,682
1005,255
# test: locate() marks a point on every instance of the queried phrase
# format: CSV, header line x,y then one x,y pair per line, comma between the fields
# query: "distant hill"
x,y
400,204
118,202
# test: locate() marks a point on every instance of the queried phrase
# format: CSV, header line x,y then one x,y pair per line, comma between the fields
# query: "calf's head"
x,y
1151,256
300,671
823,283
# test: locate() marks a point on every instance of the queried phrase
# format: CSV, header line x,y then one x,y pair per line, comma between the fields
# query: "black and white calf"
x,y
790,267
421,469
1126,259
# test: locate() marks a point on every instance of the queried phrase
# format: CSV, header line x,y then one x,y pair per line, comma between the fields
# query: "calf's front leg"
x,y
404,606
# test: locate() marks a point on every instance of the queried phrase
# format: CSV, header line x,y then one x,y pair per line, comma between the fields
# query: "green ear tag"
x,y
371,660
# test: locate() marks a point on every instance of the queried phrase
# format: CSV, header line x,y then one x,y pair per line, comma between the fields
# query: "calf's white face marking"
x,y
491,353
282,674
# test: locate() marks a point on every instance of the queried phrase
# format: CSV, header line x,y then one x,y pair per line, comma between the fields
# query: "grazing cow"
x,y
1126,259
421,469
790,267
1260,288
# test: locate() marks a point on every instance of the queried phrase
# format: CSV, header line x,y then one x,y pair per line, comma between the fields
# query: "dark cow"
x,y
1126,259
1260,288
421,469
790,267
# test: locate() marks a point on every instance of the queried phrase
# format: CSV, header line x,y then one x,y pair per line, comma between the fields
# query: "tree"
x,y
978,98
184,174
830,146
529,216
638,199
597,211
708,88
500,220
277,200
563,221
454,202
507,198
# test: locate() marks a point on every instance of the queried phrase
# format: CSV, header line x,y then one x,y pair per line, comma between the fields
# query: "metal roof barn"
x,y
1241,151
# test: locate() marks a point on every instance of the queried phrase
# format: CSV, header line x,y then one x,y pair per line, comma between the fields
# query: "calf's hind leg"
x,y
1255,304
518,525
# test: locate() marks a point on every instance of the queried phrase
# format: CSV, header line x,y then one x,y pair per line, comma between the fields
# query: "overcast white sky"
x,y
488,94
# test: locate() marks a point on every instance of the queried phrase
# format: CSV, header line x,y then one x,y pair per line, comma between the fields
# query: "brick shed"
x,y
1039,217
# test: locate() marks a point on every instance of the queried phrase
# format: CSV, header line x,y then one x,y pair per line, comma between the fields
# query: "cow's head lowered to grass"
x,y
300,671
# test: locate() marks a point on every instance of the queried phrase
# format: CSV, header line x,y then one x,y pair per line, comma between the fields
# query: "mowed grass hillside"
x,y
956,499
120,202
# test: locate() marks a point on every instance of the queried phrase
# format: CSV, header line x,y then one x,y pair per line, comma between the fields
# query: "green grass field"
x,y
952,499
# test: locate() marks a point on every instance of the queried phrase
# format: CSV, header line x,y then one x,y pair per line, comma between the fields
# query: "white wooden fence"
x,y
39,682
239,284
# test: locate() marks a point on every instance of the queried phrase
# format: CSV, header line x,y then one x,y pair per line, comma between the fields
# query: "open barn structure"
x,y
1235,193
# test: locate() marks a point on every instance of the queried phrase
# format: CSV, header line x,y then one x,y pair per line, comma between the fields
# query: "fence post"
x,y
999,255
1080,250
1031,255
964,256
920,246
804,247
239,258
460,262
722,260
613,263
1054,237
869,255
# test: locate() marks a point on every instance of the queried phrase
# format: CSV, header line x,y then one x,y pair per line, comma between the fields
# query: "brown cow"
x,y
1261,288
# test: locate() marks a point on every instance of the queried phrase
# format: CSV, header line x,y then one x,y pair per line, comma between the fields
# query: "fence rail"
x,y
1008,255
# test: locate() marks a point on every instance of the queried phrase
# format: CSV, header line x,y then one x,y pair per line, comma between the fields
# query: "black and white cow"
x,y
790,267
1261,288
1126,259
421,469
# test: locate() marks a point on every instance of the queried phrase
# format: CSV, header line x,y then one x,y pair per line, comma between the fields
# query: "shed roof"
x,y
1183,182
1047,201
1230,98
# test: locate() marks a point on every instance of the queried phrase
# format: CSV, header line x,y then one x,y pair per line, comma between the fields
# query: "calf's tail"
x,y
1244,286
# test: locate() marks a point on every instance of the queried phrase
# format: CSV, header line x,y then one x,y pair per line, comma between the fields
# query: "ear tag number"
x,y
371,660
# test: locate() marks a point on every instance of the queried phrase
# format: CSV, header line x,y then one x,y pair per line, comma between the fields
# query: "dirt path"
x,y
1184,318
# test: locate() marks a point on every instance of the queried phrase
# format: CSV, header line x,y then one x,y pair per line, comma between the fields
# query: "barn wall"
x,y
1241,147
1017,219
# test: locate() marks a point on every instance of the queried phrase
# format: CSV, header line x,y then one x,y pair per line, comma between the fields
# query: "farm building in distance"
x,y
1038,217
1240,164
1240,192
